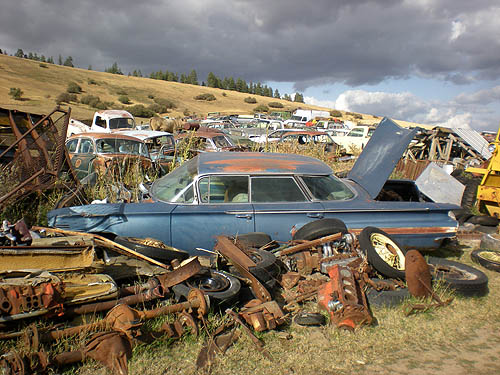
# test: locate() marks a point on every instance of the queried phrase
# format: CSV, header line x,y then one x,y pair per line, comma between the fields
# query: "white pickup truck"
x,y
356,139
105,121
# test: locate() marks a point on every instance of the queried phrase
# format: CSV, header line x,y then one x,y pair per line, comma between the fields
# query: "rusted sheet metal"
x,y
112,349
49,258
309,244
262,316
410,169
242,262
417,274
33,152
344,300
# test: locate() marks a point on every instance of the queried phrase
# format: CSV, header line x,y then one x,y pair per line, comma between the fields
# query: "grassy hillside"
x,y
41,83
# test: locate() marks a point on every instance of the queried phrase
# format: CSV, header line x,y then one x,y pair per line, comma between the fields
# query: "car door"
x,y
223,209
83,157
280,204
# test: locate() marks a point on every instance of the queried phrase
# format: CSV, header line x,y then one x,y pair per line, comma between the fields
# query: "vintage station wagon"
x,y
234,193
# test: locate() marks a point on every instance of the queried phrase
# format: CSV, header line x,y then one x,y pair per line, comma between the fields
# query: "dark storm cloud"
x,y
309,43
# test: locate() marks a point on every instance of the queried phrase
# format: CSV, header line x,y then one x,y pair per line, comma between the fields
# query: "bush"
x,y
261,108
186,112
224,94
250,100
157,108
151,96
166,103
66,97
124,99
91,81
207,97
74,88
100,105
139,110
16,93
275,105
42,65
122,92
335,113
90,100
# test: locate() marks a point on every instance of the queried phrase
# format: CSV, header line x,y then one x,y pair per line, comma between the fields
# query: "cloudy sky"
x,y
429,61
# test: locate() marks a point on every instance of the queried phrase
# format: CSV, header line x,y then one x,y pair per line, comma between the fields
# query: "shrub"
x,y
261,108
186,112
66,97
224,94
335,113
139,110
157,108
166,103
91,81
151,96
74,88
275,105
100,106
206,96
124,99
42,65
122,92
250,100
16,93
90,100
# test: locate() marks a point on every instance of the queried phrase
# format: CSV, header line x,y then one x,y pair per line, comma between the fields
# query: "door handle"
x,y
315,215
244,216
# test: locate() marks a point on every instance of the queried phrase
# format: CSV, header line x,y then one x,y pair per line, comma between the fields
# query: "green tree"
x,y
43,59
114,69
19,53
299,98
212,80
59,60
16,93
193,77
277,94
50,60
68,61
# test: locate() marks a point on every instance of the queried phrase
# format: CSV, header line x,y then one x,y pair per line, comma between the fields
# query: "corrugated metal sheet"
x,y
474,139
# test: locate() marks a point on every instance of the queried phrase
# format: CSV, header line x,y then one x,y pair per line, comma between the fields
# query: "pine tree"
x,y
69,62
114,69
19,53
299,98
193,77
59,60
211,80
43,59
277,94
50,60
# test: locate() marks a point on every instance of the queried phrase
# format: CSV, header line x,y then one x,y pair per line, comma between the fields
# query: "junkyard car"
x,y
309,137
234,193
96,152
206,141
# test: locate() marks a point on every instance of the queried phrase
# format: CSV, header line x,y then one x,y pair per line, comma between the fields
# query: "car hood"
x,y
380,156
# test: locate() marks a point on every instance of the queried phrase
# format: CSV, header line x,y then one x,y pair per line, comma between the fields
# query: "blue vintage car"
x,y
230,193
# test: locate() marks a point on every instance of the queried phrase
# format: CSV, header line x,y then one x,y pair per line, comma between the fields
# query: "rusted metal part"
x,y
242,262
344,300
34,152
67,358
180,274
217,344
19,299
310,244
306,262
103,241
176,330
290,279
13,363
417,274
258,344
112,349
262,316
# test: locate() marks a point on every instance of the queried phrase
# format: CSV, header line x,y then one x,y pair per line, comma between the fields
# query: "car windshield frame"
x,y
344,194
121,146
121,123
176,184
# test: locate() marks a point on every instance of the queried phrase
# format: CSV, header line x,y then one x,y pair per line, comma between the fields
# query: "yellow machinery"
x,y
488,191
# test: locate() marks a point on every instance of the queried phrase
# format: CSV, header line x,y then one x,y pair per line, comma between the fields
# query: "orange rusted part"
x,y
112,349
262,316
417,274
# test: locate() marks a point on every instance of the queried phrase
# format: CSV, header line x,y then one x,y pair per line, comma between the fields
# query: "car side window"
x,y
276,189
223,189
86,146
71,145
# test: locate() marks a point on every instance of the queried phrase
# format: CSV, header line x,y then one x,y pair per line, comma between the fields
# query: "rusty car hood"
x,y
380,156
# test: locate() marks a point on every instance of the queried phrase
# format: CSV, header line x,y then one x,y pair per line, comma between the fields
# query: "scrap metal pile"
x,y
256,283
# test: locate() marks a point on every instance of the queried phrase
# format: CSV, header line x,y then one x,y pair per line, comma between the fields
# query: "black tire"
x,y
482,257
386,298
309,319
462,215
320,228
485,220
371,236
470,193
266,268
254,239
157,253
463,279
218,285
490,242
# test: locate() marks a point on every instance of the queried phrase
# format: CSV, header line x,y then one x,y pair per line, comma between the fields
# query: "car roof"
x,y
200,134
144,134
100,135
260,163
307,132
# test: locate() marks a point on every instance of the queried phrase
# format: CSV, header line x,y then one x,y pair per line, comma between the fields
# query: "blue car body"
x,y
279,193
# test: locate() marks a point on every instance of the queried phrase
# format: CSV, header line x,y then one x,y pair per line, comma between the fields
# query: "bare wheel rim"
x,y
388,251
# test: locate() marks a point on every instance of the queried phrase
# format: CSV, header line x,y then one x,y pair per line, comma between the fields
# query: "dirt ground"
x,y
477,354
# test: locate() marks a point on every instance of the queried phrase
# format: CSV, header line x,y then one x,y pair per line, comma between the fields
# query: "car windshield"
x,y
322,138
121,123
327,188
177,186
121,146
155,143
221,141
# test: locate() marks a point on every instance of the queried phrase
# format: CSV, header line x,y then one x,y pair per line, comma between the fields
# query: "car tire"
x,y
218,285
470,192
373,242
320,228
254,239
157,253
481,257
386,298
488,221
266,267
310,319
490,242
462,278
